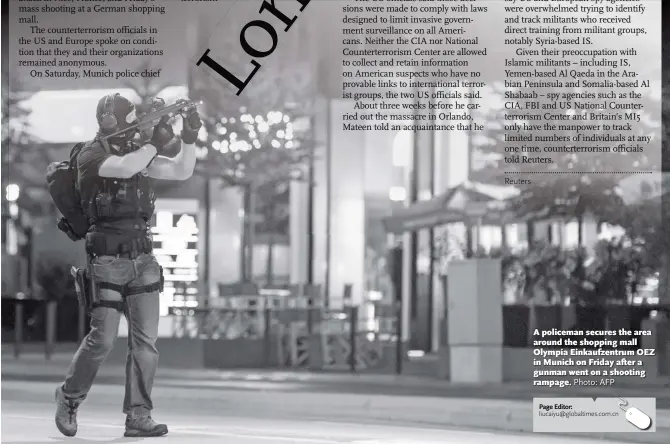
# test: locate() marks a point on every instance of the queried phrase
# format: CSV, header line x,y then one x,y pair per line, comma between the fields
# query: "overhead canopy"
x,y
469,202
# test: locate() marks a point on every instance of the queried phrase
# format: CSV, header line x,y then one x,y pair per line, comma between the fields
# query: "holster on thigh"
x,y
84,288
88,290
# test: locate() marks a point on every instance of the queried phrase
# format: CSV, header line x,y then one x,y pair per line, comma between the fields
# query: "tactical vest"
x,y
121,204
119,210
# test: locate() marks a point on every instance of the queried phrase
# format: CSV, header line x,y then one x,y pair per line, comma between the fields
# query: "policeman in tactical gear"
x,y
124,277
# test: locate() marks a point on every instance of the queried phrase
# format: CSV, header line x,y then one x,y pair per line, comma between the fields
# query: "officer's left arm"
x,y
182,165
179,167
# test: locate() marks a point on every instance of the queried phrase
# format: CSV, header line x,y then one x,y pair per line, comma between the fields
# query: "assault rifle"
x,y
149,120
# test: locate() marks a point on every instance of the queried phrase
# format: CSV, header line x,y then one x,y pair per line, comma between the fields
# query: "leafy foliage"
x,y
248,150
550,274
618,268
543,272
570,197
645,223
254,138
260,140
254,142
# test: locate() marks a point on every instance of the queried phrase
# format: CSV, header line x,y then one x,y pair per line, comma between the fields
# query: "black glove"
x,y
162,135
192,125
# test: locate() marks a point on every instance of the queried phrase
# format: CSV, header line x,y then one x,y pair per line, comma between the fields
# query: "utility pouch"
x,y
96,245
65,226
103,205
83,287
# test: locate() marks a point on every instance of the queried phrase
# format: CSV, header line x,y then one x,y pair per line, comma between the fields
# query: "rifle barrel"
x,y
158,114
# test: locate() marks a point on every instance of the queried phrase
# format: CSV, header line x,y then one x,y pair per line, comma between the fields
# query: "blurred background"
x,y
298,244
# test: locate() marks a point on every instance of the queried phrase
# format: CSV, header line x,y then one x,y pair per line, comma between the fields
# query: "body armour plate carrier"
x,y
120,203
120,206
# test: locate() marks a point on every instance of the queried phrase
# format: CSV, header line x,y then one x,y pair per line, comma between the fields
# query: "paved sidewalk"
x,y
198,416
407,411
34,367
386,399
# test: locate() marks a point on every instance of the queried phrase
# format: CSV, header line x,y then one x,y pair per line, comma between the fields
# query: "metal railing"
x,y
301,336
35,320
292,329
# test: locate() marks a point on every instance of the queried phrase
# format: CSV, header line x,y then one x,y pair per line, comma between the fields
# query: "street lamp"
x,y
12,192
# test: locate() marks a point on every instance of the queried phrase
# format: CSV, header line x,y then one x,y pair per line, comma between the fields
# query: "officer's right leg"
x,y
96,345
91,353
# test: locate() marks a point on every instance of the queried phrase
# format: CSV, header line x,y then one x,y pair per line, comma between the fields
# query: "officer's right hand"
x,y
162,134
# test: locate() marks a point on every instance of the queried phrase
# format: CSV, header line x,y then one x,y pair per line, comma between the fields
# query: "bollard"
x,y
310,326
50,330
398,338
266,336
353,330
317,354
18,326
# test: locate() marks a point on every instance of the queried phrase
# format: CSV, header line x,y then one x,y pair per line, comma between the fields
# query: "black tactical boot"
x,y
66,414
143,427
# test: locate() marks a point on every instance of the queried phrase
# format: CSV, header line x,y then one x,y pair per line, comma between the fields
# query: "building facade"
x,y
337,237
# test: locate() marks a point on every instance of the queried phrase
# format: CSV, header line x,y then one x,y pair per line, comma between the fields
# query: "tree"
x,y
645,223
260,155
273,209
258,141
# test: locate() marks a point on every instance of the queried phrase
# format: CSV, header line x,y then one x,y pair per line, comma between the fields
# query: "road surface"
x,y
36,368
201,416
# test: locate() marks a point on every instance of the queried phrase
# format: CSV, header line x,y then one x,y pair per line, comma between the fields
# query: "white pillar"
x,y
298,221
475,321
589,230
347,240
407,246
450,169
225,236
320,209
458,153
406,285
441,178
560,232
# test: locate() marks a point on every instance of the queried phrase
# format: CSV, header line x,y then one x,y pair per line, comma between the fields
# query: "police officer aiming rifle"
x,y
106,198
